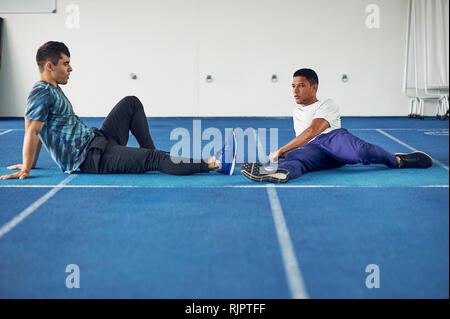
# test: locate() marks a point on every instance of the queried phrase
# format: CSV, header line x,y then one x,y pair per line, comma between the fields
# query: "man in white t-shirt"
x,y
321,143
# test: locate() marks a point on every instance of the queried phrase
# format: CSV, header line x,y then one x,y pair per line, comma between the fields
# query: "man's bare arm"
x,y
30,152
317,127
36,157
36,153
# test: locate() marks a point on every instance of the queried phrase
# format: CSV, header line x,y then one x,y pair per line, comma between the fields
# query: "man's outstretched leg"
x,y
350,149
119,159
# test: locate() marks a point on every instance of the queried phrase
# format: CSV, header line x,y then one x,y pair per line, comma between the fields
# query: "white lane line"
x,y
396,140
220,186
6,132
25,213
433,186
293,274
409,147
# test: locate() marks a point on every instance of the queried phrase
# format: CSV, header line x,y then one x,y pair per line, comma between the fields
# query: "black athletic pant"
x,y
108,153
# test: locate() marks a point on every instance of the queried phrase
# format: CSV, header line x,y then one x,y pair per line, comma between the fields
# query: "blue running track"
x,y
214,236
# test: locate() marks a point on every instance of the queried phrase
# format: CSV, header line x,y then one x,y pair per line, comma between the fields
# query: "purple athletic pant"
x,y
333,150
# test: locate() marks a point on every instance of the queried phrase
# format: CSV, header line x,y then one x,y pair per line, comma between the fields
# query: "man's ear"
x,y
49,66
315,87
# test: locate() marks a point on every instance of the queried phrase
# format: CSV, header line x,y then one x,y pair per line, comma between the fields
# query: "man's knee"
x,y
132,100
133,104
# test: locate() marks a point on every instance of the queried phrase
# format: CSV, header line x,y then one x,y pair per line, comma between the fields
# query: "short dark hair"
x,y
309,74
50,51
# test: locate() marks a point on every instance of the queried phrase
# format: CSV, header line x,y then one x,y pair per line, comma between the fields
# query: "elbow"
x,y
32,135
316,130
35,130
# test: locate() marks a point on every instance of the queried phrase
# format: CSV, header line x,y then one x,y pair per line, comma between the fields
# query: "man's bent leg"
x,y
128,115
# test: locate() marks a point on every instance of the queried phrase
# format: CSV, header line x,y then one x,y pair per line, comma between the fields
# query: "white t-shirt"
x,y
304,115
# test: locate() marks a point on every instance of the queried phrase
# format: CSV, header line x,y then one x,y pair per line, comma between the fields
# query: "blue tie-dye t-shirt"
x,y
64,135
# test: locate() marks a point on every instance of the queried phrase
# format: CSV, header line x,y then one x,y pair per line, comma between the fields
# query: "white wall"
x,y
173,44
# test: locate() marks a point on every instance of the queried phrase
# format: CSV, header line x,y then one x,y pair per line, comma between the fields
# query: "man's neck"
x,y
48,79
312,101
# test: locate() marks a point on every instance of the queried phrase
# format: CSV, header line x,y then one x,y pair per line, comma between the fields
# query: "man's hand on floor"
x,y
19,175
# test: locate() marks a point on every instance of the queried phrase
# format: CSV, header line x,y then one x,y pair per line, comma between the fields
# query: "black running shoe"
x,y
258,173
414,160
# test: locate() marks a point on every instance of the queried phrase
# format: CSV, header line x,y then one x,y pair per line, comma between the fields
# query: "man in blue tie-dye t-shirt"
x,y
64,134
50,120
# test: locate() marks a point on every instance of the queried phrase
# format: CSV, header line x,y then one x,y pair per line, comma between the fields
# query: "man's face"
x,y
304,92
60,72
